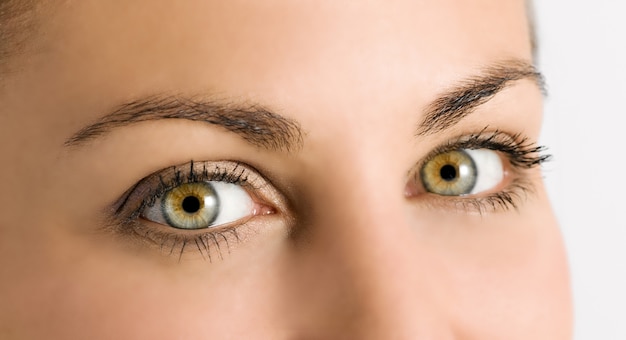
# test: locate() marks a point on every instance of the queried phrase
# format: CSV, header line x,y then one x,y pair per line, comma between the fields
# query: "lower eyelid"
x,y
509,195
512,190
209,244
267,210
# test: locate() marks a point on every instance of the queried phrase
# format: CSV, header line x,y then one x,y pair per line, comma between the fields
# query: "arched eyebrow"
x,y
456,103
254,123
266,129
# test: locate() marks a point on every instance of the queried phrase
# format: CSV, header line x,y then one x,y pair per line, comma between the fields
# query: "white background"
x,y
583,55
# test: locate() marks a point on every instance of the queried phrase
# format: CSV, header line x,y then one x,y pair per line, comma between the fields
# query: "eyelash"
x,y
125,216
521,155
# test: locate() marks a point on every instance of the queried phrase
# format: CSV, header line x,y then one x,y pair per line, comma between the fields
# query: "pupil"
x,y
448,173
191,204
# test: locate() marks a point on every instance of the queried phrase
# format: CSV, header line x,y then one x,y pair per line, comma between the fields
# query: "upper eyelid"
x,y
125,217
516,147
146,190
146,186
521,154
465,141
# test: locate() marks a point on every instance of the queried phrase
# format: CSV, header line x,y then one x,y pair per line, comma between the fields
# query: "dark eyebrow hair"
x,y
455,104
255,124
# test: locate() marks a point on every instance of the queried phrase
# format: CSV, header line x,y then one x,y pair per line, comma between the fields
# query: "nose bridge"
x,y
377,265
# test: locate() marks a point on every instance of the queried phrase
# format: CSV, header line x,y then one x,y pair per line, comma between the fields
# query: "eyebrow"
x,y
458,102
254,123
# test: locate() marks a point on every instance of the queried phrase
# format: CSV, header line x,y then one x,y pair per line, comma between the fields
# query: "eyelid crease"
x,y
123,218
153,186
520,153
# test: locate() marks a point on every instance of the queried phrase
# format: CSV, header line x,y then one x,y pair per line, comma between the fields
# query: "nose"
x,y
365,267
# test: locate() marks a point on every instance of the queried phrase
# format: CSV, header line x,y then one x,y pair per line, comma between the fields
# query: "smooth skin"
x,y
346,254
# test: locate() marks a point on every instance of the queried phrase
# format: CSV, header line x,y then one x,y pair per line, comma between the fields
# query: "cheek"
x,y
103,292
499,276
508,277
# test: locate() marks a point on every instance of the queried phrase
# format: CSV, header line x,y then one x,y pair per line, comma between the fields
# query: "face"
x,y
277,170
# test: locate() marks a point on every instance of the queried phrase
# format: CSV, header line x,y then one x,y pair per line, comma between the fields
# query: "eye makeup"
x,y
146,211
449,176
179,209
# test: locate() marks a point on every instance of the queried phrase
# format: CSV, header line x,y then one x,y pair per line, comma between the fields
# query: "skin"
x,y
345,253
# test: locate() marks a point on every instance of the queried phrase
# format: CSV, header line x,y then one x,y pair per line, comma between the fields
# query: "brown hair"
x,y
16,25
532,27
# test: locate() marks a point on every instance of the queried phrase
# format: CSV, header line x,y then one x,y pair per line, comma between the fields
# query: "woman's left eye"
x,y
200,205
462,172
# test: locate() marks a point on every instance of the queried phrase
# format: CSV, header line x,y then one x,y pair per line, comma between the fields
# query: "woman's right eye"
x,y
201,205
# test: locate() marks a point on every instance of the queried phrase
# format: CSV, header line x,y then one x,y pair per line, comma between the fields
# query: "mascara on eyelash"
x,y
126,216
149,189
521,152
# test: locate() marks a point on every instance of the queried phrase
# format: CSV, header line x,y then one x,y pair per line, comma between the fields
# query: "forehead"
x,y
274,38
